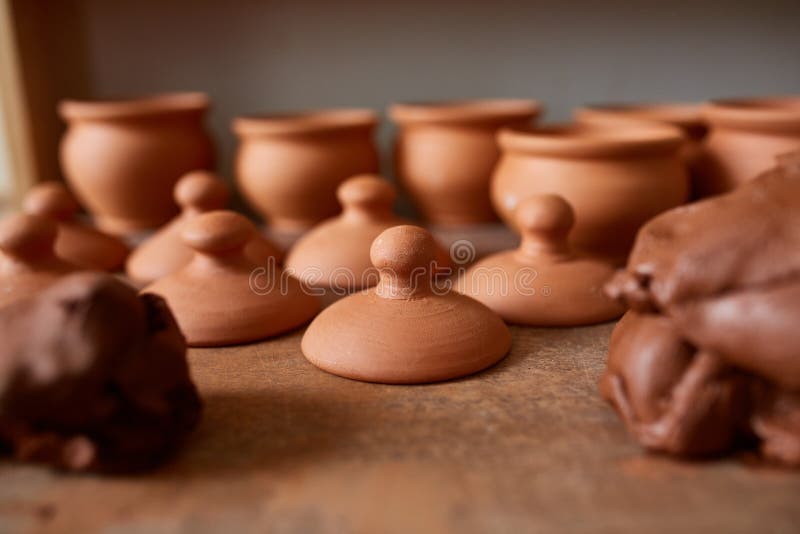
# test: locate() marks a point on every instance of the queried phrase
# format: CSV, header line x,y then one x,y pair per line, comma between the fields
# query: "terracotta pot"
x,y
445,153
745,137
122,158
615,179
289,166
688,117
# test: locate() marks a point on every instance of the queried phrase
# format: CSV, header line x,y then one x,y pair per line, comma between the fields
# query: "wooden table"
x,y
525,446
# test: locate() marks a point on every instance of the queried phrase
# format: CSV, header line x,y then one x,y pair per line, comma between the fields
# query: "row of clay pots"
x,y
123,158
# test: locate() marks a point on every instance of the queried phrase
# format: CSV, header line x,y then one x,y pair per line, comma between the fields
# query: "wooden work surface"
x,y
525,446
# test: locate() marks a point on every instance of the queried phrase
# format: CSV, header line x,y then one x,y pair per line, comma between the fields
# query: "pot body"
x,y
290,177
445,162
745,138
612,194
124,165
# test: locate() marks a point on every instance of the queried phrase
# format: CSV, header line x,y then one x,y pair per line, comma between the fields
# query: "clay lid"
x,y
27,260
165,252
77,242
222,297
405,330
461,111
543,283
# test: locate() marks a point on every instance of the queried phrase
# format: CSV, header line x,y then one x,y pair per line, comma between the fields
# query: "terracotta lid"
x,y
405,330
461,111
543,283
27,260
77,243
165,252
222,297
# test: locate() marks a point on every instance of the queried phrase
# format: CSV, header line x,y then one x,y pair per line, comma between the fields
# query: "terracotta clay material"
x,y
28,262
543,282
723,275
335,253
122,158
222,297
289,166
93,377
688,117
746,136
77,242
615,179
165,252
445,153
404,330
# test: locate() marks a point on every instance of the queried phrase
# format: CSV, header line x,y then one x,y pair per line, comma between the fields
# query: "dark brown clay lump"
x,y
709,357
93,377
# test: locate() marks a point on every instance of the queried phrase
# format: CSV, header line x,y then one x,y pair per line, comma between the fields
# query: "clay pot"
x,y
222,297
122,158
445,153
404,330
165,252
543,282
28,262
687,117
746,136
615,179
289,166
77,242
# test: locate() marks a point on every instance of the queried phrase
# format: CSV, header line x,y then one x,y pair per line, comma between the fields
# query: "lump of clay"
x,y
28,262
165,252
93,377
77,242
723,278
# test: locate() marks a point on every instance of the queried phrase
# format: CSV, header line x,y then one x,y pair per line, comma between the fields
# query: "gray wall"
x,y
257,55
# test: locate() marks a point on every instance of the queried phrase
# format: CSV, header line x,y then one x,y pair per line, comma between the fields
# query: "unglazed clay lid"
x,y
543,283
405,330
165,252
77,243
28,262
223,297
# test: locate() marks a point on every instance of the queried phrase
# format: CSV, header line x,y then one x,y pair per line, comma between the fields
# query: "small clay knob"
x,y
368,194
27,237
404,256
52,200
201,191
545,222
218,232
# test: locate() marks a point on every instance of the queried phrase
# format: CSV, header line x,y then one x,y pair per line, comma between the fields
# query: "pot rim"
x,y
774,113
584,140
156,104
683,114
468,110
304,121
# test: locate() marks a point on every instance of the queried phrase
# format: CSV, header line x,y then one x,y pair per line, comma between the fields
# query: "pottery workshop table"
x,y
525,446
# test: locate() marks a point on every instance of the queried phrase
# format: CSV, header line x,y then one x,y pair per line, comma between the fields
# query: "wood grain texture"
x,y
526,446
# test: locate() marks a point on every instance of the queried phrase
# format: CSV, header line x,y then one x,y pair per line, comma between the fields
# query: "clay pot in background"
x,y
122,158
746,135
289,166
445,153
615,179
686,116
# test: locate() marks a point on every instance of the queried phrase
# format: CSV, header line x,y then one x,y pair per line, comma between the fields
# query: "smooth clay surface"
x,y
222,297
543,282
403,330
165,252
77,242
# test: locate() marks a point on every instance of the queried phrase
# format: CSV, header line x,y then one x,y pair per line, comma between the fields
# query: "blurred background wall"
x,y
258,55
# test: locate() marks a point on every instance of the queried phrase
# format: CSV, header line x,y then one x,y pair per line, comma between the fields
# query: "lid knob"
x,y
52,200
218,233
544,222
27,237
404,256
367,194
201,191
